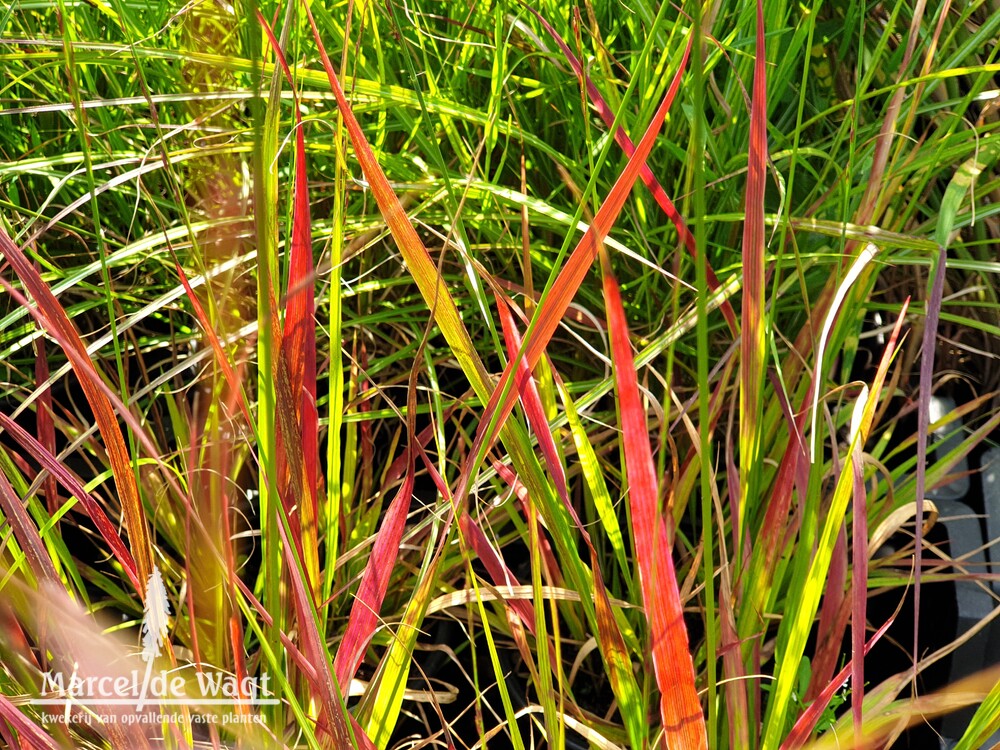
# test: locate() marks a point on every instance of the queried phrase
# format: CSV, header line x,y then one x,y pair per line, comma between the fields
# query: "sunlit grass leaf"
x,y
298,353
57,323
806,591
609,636
680,709
550,312
648,178
69,481
752,342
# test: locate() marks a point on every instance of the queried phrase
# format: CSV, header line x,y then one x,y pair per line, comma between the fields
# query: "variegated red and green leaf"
x,y
51,316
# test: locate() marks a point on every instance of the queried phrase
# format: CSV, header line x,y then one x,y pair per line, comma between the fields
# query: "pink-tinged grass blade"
x,y
923,425
45,428
805,724
320,676
74,487
53,318
680,709
752,345
30,734
298,347
646,174
374,583
26,534
609,636
833,617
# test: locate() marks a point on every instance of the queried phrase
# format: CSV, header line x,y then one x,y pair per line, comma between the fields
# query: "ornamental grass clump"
x,y
498,375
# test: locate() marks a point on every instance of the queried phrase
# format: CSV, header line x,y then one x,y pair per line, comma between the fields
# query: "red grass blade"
x,y
57,323
752,350
364,612
45,427
807,721
646,174
833,618
67,479
26,533
532,402
609,636
314,650
298,347
680,709
30,734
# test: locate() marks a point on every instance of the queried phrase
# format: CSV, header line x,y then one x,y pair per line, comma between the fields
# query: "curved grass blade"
x,y
56,322
69,481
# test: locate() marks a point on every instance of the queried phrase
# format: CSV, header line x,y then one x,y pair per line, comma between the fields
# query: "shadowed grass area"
x,y
303,318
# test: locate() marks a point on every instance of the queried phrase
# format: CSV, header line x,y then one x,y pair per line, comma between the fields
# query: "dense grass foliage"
x,y
496,374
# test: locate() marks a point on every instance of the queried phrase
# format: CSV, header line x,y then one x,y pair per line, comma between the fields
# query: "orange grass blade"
x,y
680,709
752,350
418,260
232,380
646,174
56,322
550,313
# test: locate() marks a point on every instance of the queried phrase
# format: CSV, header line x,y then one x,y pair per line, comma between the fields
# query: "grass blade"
x,y
550,313
680,709
364,612
57,323
298,348
646,174
609,636
934,296
69,481
752,342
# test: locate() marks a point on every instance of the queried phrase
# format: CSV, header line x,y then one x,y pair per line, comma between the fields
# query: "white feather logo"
x,y
156,616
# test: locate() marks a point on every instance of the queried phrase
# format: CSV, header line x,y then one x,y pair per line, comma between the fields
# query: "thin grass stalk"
x,y
696,171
